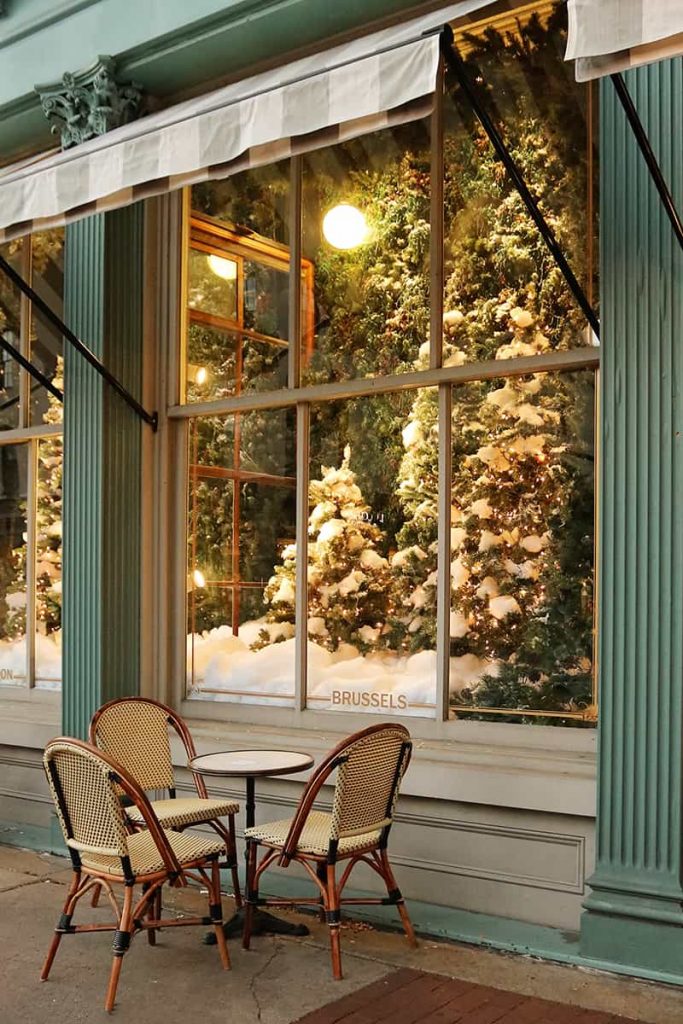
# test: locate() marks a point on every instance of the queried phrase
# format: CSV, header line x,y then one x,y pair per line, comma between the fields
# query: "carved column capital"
x,y
89,103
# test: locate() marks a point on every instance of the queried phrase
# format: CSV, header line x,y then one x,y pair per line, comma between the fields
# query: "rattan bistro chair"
x,y
86,786
370,765
135,732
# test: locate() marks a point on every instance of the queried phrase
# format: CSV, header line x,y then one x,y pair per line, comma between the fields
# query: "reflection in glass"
x,y
10,329
242,505
47,278
371,625
371,287
522,546
13,543
212,284
48,652
504,295
256,200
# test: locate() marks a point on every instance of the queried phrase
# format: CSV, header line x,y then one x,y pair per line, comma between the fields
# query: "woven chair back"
x,y
135,734
368,780
86,798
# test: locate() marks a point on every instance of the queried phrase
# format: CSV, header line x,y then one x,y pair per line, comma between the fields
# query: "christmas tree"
x,y
521,531
349,581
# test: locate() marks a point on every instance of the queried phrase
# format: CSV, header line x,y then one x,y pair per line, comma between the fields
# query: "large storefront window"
x,y
31,473
446,520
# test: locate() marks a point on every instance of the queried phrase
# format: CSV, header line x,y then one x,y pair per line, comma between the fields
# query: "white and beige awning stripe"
x,y
613,35
384,78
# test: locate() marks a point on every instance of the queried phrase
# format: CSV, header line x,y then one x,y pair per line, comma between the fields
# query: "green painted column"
x,y
633,915
102,443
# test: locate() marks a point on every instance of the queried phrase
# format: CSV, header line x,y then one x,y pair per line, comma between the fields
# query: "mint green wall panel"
x,y
167,46
634,912
102,467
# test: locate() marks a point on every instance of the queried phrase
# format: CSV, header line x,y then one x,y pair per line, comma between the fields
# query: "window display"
x,y
450,517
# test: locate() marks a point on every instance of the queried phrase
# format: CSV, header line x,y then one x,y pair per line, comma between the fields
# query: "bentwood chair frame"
x,y
358,831
105,718
86,785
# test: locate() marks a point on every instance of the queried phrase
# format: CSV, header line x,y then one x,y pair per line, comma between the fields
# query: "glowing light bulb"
x,y
227,269
202,375
345,227
198,578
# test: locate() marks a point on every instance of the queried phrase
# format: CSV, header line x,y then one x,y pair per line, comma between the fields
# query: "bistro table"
x,y
251,765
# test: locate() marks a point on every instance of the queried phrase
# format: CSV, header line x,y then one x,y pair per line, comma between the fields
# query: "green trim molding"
x,y
634,915
167,48
102,501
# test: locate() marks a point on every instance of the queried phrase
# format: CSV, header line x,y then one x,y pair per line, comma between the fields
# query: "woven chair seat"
x,y
145,858
185,811
315,835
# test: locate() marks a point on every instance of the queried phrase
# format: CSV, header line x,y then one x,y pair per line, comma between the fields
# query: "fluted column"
x,y
102,439
633,914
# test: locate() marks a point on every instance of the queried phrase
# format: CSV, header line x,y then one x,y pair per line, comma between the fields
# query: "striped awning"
x,y
384,78
613,35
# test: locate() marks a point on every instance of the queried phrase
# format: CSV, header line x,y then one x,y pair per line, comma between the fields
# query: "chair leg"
x,y
334,921
62,924
95,899
396,896
121,943
321,872
216,912
152,915
251,893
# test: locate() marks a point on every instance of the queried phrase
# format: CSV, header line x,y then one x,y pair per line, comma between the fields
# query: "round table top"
x,y
251,762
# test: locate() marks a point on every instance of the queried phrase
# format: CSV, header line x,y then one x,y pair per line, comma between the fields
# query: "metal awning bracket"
x,y
150,418
456,64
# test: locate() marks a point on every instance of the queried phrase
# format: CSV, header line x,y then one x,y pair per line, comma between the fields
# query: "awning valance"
x,y
383,78
612,35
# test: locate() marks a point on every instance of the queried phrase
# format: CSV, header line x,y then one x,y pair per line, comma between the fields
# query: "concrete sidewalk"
x,y
278,981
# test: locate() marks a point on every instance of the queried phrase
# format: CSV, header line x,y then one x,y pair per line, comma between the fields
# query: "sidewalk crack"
x,y
259,974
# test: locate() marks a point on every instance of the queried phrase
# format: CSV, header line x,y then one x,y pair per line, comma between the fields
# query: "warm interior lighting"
x,y
202,375
196,580
345,227
227,269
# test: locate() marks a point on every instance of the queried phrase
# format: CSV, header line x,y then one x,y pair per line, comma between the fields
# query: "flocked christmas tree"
x,y
349,581
522,473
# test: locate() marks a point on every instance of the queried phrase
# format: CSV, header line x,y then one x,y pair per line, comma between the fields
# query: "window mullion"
x,y
443,602
436,227
31,560
295,229
25,332
303,421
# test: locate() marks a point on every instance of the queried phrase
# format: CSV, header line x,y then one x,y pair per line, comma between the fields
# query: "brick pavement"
x,y
414,997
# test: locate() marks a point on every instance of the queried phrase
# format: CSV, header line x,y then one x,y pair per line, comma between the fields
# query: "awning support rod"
x,y
39,303
456,65
33,370
648,155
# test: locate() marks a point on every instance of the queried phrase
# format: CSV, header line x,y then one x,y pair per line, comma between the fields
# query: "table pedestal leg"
x,y
263,923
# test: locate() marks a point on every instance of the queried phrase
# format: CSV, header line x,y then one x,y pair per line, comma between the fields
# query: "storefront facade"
x,y
395,471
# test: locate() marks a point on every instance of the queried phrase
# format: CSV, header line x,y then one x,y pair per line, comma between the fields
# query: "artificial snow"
x,y
226,669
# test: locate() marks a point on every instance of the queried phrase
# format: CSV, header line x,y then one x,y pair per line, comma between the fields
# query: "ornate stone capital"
x,y
89,103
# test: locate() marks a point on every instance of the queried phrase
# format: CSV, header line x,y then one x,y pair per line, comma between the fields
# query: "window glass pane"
x,y
522,548
372,528
366,234
255,201
241,508
212,284
504,295
13,542
47,278
48,653
10,328
240,344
